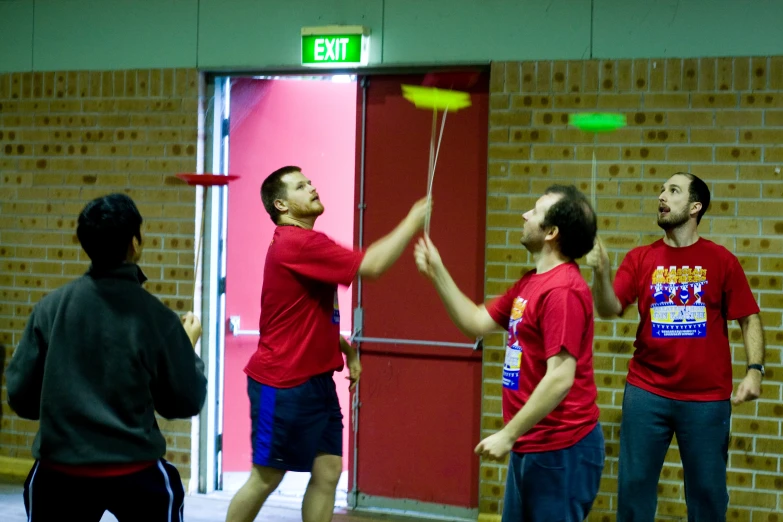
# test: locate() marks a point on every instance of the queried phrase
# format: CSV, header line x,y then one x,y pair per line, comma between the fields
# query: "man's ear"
x,y
281,205
696,208
134,249
553,234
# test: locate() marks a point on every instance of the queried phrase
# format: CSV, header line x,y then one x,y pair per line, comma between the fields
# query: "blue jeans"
x,y
702,430
555,486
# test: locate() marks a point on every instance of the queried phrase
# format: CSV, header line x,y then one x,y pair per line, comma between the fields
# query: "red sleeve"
x,y
322,259
563,322
738,300
626,282
499,308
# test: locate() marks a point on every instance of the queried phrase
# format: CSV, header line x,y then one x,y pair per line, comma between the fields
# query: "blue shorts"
x,y
290,426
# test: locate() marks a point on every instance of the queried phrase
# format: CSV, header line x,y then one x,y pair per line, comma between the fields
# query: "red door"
x,y
420,411
310,124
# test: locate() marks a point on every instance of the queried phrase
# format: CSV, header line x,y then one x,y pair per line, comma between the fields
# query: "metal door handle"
x,y
233,325
477,345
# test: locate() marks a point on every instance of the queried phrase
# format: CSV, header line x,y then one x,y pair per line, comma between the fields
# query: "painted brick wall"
x,y
721,119
66,138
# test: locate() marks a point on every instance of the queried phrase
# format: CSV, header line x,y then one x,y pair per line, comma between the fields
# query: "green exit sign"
x,y
335,46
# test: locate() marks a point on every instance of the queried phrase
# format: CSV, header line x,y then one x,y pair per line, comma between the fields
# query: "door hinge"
x,y
358,321
219,443
225,127
221,286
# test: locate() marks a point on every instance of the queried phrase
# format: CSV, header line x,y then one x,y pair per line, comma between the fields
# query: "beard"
x,y
532,243
673,220
312,209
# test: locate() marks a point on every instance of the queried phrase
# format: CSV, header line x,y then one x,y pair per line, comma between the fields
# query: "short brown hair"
x,y
575,220
273,188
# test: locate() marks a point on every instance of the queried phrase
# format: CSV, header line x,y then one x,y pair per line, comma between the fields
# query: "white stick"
x,y
198,243
431,170
440,137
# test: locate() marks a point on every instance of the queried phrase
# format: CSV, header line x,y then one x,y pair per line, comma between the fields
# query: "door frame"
x,y
206,449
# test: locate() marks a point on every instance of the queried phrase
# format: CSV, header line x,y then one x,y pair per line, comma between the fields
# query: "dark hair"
x,y
107,225
697,191
273,188
575,219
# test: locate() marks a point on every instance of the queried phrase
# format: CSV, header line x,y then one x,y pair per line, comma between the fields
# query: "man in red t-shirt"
x,y
295,413
549,393
679,379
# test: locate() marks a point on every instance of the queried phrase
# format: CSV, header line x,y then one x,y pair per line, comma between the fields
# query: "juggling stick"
x,y
596,122
435,99
204,180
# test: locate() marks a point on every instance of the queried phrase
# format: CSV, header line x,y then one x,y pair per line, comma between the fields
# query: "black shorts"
x,y
290,426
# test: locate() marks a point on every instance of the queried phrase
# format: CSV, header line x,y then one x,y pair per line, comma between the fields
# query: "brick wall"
x,y
721,119
68,137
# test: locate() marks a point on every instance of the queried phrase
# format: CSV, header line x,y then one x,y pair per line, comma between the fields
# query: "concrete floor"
x,y
204,508
292,488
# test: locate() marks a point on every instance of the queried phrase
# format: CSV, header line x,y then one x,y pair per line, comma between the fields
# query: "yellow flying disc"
x,y
433,98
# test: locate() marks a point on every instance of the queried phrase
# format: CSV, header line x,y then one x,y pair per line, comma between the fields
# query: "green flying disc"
x,y
597,122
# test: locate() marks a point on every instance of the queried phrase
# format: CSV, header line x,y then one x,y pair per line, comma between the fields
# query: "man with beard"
x,y
679,379
294,409
549,393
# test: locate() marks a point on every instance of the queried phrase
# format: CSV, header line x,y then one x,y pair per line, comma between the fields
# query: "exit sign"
x,y
335,45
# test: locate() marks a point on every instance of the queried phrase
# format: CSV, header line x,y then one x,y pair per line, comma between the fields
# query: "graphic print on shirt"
x,y
514,349
677,309
336,312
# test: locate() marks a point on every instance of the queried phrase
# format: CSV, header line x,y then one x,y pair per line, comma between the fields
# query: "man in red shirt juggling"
x,y
549,393
679,379
295,413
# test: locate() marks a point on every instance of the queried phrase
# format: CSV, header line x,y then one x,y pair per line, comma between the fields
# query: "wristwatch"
x,y
759,367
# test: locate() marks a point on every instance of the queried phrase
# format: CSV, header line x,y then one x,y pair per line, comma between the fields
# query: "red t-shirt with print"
x,y
544,314
685,297
300,315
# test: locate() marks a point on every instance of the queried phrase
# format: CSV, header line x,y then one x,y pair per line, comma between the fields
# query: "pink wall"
x,y
311,124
